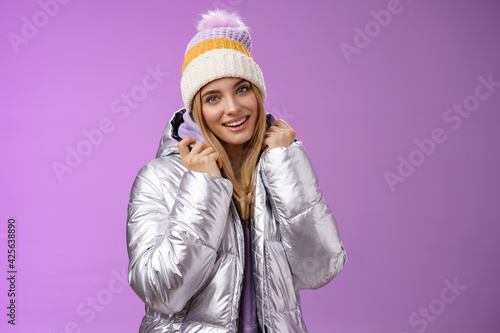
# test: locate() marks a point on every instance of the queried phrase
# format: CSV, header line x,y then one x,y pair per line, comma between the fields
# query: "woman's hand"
x,y
201,158
280,134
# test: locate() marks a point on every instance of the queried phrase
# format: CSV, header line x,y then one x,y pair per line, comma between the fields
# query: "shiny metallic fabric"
x,y
185,241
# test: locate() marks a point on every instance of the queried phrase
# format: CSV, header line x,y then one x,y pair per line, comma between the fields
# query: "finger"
x,y
217,159
183,146
268,138
198,147
275,128
214,157
207,151
274,133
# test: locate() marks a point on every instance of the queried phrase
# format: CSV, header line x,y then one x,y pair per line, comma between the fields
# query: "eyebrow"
x,y
216,91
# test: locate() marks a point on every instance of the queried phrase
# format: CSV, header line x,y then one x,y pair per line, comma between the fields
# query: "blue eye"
x,y
209,99
244,87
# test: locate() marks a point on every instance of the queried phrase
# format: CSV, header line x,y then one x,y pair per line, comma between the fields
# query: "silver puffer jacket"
x,y
186,250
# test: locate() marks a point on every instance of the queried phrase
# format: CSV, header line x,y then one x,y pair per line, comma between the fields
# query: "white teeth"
x,y
236,123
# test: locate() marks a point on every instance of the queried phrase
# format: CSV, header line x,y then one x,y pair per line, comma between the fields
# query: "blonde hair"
x,y
243,183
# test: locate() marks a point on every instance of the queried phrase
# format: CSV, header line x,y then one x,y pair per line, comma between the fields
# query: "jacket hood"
x,y
181,125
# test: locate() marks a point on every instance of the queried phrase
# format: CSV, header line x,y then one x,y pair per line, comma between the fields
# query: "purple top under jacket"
x,y
248,311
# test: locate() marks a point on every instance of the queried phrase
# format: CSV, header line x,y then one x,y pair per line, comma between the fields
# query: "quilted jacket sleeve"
x,y
172,245
309,231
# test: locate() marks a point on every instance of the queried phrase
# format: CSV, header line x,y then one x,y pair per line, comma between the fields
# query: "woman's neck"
x,y
235,152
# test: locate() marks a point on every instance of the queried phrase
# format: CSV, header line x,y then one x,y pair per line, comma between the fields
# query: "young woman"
x,y
228,223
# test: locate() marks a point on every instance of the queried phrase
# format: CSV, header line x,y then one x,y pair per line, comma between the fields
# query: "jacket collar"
x,y
180,126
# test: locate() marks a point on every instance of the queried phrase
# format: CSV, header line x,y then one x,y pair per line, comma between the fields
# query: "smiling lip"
x,y
239,127
233,120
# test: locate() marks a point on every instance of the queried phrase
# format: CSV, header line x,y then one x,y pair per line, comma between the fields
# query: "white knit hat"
x,y
221,48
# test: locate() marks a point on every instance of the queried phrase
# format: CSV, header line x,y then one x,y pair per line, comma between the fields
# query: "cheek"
x,y
254,108
211,117
252,104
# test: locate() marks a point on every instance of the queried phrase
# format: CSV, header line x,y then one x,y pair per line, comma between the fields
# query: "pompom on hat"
x,y
221,48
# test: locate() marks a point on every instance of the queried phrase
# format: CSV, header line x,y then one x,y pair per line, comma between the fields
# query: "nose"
x,y
232,105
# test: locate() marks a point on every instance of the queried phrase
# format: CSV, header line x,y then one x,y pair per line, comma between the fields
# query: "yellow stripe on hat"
x,y
212,44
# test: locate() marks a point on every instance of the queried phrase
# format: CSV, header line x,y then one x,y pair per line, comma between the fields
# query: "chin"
x,y
236,142
238,138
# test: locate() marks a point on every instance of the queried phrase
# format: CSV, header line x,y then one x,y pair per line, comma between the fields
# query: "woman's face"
x,y
229,107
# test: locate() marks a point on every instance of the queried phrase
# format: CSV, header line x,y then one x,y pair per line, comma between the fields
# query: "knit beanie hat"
x,y
221,48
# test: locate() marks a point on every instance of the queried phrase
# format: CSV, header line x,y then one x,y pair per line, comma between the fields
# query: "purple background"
x,y
356,115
